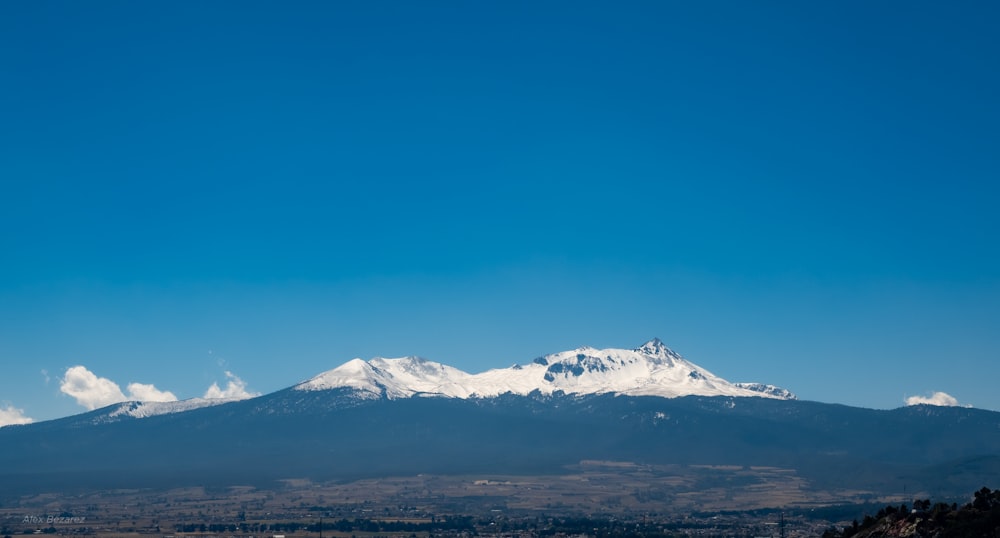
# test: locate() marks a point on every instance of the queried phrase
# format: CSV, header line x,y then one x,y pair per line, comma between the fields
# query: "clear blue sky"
x,y
799,193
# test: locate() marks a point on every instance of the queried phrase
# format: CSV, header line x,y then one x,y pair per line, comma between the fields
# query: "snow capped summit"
x,y
656,348
653,369
392,378
136,409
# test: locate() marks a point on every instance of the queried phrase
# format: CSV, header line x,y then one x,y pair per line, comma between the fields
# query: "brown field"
x,y
592,488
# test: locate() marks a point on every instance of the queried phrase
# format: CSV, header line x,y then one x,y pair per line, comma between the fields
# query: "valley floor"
x,y
677,499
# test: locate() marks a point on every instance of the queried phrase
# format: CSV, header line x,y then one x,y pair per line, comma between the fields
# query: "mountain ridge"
x,y
652,369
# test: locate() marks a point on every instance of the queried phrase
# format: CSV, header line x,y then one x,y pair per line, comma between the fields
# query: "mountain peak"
x,y
657,349
653,347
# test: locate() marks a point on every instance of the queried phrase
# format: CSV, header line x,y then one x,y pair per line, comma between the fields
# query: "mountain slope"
x,y
331,435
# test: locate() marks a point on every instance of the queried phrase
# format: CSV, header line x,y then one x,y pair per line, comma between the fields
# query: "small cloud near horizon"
x,y
94,392
149,393
236,389
938,398
11,415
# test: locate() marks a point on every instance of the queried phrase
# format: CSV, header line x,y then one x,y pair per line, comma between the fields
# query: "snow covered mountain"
x,y
409,416
652,369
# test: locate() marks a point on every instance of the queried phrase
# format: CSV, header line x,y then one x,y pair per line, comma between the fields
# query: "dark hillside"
x,y
328,435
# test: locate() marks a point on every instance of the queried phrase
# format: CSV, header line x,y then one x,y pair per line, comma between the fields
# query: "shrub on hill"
x,y
978,518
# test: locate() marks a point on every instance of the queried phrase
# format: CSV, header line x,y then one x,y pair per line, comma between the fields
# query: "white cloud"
x,y
236,389
12,415
89,390
149,393
938,398
94,392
